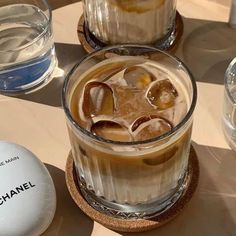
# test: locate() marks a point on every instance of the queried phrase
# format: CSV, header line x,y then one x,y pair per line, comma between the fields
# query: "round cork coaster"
x,y
138,225
90,43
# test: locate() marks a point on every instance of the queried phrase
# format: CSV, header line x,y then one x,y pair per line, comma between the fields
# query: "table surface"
x,y
37,122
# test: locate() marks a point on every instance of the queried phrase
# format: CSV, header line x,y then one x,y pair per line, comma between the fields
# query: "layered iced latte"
x,y
129,150
130,21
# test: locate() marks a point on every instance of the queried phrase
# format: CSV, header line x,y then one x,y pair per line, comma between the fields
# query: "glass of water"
x,y
229,108
27,54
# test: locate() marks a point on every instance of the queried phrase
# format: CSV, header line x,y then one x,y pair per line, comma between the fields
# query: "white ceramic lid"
x,y
27,192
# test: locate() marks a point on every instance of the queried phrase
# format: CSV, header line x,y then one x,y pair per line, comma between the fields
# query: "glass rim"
x,y
40,35
128,143
226,84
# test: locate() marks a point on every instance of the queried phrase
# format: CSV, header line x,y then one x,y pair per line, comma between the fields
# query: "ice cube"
x,y
105,72
111,130
138,77
98,99
161,156
111,72
162,94
147,127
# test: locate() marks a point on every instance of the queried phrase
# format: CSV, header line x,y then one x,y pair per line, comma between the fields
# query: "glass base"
x,y
139,211
91,43
135,225
166,42
28,77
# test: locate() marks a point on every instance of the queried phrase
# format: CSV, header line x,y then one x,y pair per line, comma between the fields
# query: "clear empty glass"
x,y
27,55
229,107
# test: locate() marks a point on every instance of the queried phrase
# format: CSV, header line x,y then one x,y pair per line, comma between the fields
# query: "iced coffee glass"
x,y
131,21
129,115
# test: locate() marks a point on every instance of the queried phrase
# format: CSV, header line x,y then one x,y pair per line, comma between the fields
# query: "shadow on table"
x,y
69,220
68,55
212,210
207,47
61,3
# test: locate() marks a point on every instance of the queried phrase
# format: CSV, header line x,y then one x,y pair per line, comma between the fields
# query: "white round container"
x,y
27,192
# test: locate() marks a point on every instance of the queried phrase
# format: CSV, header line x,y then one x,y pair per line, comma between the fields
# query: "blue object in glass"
x,y
24,74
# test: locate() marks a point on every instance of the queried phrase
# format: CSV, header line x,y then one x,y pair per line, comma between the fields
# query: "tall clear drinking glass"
x,y
145,173
27,54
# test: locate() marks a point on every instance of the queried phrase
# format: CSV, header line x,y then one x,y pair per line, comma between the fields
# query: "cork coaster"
x,y
90,43
139,225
